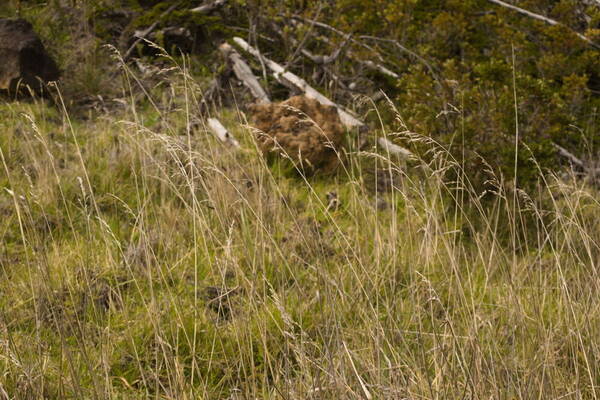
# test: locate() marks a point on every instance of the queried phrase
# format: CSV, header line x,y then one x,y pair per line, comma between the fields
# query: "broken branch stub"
x,y
217,128
244,73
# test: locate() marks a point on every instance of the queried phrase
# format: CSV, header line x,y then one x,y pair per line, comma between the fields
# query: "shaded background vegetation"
x,y
472,69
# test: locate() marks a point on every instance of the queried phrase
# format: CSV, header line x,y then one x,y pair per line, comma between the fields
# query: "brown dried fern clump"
x,y
310,133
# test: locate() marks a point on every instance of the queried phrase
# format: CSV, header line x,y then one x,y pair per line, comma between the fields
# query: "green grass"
x,y
138,261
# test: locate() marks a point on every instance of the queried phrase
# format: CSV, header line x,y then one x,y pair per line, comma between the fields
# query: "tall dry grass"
x,y
140,258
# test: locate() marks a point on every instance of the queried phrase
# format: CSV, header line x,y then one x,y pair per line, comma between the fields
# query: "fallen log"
x,y
367,63
348,39
294,82
217,128
244,73
291,80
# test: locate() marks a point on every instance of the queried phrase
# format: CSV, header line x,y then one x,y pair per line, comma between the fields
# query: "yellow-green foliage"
x,y
485,56
488,67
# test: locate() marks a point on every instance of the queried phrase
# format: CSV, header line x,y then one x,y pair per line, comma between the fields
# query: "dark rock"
x,y
24,60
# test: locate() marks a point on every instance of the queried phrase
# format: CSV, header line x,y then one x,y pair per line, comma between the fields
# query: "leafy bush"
x,y
493,67
472,74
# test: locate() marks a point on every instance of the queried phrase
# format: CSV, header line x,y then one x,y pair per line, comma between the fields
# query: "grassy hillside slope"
x,y
141,258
